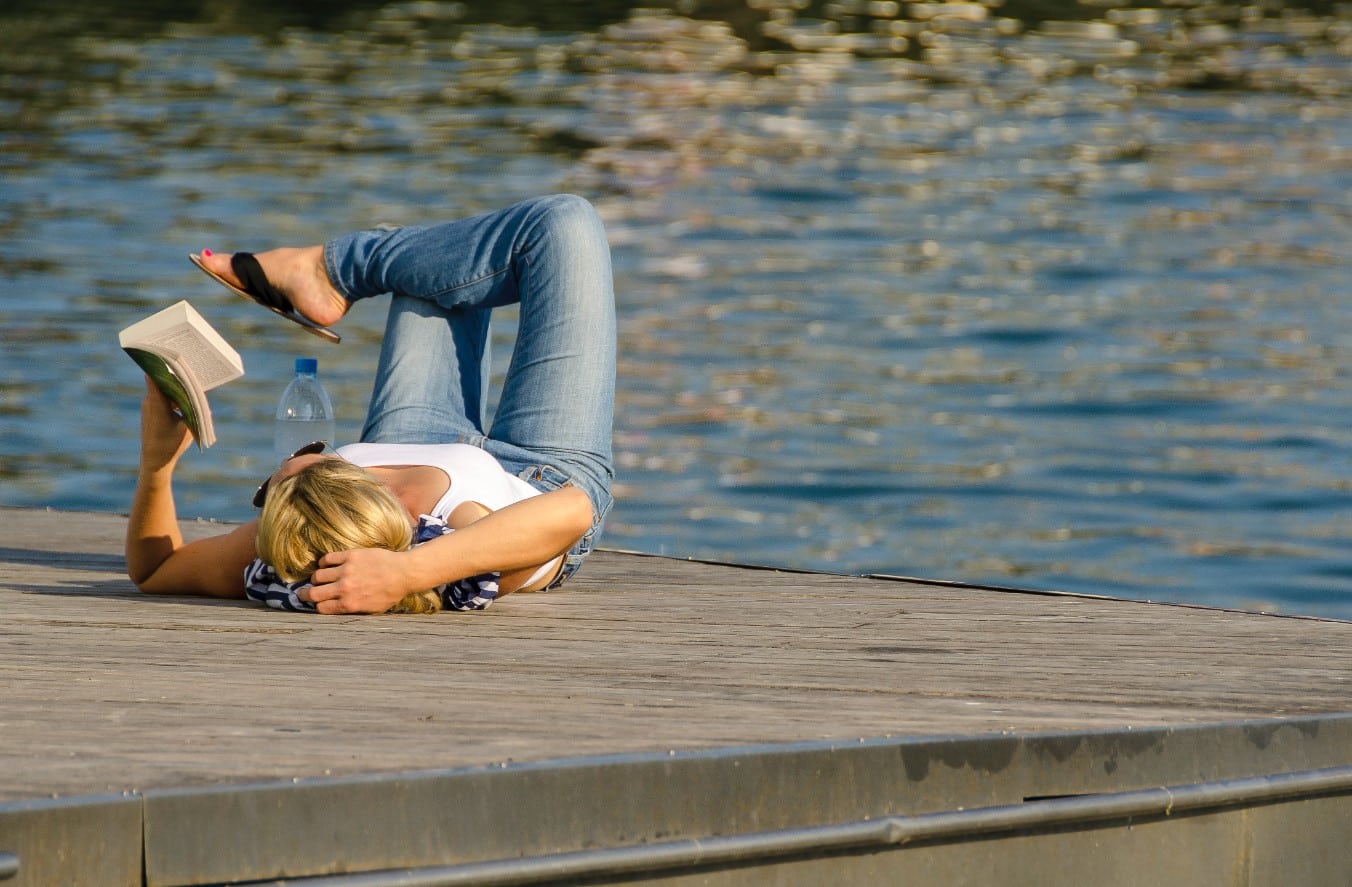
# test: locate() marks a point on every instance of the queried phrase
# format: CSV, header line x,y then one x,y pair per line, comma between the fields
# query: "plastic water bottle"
x,y
305,413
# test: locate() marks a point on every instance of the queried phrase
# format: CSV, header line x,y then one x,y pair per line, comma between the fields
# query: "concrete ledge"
x,y
739,810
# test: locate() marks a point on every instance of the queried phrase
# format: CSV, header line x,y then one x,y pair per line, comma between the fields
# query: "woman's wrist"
x,y
420,570
155,475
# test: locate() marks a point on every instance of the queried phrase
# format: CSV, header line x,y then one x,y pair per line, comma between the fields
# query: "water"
x,y
1049,296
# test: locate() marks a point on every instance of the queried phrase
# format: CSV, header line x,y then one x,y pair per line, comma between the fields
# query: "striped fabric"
x,y
262,584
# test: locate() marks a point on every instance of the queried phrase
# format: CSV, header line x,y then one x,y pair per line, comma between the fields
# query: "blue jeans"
x,y
553,422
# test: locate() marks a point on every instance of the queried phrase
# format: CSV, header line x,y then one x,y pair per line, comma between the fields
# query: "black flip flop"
x,y
258,289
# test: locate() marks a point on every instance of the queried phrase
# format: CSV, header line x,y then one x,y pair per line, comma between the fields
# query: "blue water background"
x,y
1054,302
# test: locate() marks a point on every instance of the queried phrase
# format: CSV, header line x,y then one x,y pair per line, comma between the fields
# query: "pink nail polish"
x,y
206,252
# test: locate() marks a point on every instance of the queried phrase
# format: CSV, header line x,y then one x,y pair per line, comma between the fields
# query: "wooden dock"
x,y
115,701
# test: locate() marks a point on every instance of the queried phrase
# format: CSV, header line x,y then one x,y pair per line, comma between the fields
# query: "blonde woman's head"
x,y
332,505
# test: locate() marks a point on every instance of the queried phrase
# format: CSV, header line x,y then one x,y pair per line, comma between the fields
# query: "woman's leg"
x,y
550,254
553,423
431,383
417,399
558,395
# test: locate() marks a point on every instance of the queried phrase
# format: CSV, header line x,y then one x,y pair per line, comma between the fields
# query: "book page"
x,y
207,364
180,331
206,432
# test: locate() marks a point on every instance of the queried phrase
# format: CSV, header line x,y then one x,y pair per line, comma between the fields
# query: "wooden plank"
x,y
106,690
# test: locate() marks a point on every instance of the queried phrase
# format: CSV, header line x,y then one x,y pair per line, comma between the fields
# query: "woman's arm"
x,y
524,535
509,581
157,559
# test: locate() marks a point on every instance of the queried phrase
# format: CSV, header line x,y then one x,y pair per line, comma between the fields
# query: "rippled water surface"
x,y
1047,296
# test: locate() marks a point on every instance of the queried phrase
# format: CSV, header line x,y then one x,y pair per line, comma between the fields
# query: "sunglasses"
x,y
261,494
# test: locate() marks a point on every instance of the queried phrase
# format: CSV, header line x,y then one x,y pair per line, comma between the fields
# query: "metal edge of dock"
x,y
1241,802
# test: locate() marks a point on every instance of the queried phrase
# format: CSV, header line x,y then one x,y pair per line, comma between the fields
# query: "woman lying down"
x,y
434,507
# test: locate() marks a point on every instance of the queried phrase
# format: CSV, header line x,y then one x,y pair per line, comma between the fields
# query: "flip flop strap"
x,y
256,283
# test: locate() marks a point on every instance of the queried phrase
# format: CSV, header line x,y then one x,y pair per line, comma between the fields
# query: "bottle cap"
x,y
308,365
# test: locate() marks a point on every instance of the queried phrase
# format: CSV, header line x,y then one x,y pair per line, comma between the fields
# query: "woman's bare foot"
x,y
296,272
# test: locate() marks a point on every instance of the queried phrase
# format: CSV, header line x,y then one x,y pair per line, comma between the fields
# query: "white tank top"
x,y
474,474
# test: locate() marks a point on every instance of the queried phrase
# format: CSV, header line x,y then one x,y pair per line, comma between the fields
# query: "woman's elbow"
x,y
139,572
214,587
145,582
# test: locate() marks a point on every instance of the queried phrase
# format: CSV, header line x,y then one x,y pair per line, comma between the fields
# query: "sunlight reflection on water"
x,y
925,291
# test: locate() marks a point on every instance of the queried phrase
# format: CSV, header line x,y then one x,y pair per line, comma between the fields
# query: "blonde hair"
x,y
332,505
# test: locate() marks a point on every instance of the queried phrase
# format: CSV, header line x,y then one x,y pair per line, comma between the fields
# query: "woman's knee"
x,y
569,220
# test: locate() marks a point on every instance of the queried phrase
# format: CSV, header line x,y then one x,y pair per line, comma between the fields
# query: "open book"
x,y
186,358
